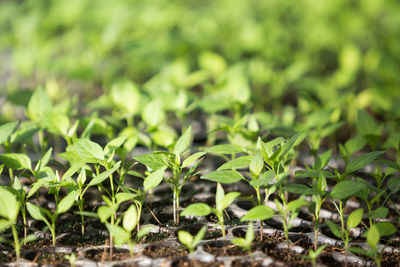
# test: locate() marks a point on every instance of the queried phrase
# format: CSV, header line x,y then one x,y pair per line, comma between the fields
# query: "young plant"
x,y
222,201
314,254
122,235
245,243
189,241
353,221
50,218
173,161
289,211
9,209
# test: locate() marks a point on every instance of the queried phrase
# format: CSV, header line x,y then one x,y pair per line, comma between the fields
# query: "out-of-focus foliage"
x,y
291,59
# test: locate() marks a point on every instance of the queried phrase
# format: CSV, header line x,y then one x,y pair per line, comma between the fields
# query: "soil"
x,y
185,262
98,255
163,251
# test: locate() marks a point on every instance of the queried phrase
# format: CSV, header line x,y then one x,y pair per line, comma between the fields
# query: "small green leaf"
x,y
240,242
9,207
257,164
199,236
250,234
224,149
219,196
265,179
130,218
153,113
114,144
67,202
346,189
259,212
35,212
39,103
87,149
154,179
238,163
104,175
296,188
120,236
150,160
185,238
56,123
183,142
322,160
198,209
394,185
228,199
192,158
354,218
380,213
386,228
334,229
224,176
144,231
373,236
362,161
16,161
296,204
6,130
105,212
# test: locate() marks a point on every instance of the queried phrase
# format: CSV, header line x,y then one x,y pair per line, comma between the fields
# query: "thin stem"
x,y
341,215
16,243
177,207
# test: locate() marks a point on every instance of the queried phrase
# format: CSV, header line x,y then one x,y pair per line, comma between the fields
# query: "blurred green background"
x,y
279,60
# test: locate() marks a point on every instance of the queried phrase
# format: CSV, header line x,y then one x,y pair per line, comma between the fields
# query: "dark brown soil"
x,y
163,251
218,250
184,262
97,254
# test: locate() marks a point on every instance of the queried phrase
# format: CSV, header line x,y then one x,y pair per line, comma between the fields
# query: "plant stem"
x,y
177,207
16,243
257,188
53,231
341,215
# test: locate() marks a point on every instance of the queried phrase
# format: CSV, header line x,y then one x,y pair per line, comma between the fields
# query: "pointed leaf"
x,y
199,236
120,236
259,212
250,234
185,238
238,163
154,179
354,218
87,149
228,199
373,236
9,207
150,160
224,176
346,189
192,158
16,161
334,229
67,202
257,164
104,175
362,161
224,149
130,218
6,130
183,142
198,209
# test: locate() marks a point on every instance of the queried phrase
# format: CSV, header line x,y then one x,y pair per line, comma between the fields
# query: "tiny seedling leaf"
x,y
183,142
346,189
90,150
257,164
9,207
380,213
250,234
67,202
259,212
296,204
36,212
334,229
224,149
16,161
130,218
228,199
198,209
224,176
386,228
150,160
154,179
362,161
144,231
186,239
238,163
199,236
373,236
192,158
104,175
6,130
354,218
120,235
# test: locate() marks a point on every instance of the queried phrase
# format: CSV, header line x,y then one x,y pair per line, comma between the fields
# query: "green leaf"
x,y
154,179
354,218
105,212
39,103
6,130
36,212
67,202
346,189
224,149
186,239
380,213
189,160
144,231
334,229
394,184
130,218
373,236
114,144
199,236
257,164
250,234
120,235
87,149
198,209
238,163
150,160
386,228
296,204
289,144
16,161
228,199
240,242
259,212
265,179
183,142
322,160
296,188
44,160
361,161
366,125
153,113
219,196
224,176
9,207
104,175
55,122
5,224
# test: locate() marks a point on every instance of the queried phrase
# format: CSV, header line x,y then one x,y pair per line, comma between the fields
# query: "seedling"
x,y
353,221
162,159
314,254
245,243
122,235
9,209
50,218
222,201
189,241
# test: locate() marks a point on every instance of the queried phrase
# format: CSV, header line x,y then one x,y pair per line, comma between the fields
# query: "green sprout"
x,y
189,241
245,243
